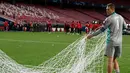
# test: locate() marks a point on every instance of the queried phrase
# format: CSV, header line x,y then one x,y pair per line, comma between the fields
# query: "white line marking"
x,y
30,41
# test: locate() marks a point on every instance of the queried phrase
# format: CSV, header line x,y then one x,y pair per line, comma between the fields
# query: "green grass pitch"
x,y
33,48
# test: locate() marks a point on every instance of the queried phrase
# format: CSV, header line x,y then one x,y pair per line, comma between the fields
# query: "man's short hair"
x,y
111,5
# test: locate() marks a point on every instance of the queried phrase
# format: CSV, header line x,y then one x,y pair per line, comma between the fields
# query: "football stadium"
x,y
53,36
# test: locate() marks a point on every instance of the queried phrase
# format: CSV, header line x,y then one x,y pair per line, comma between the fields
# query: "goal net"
x,y
82,56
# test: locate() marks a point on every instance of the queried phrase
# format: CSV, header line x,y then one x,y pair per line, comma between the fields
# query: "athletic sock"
x,y
117,71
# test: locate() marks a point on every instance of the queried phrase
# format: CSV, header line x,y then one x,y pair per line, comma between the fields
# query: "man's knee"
x,y
115,61
110,60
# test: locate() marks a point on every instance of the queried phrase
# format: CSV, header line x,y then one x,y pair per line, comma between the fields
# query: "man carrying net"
x,y
114,23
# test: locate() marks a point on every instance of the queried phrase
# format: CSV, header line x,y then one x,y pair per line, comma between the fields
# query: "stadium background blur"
x,y
57,15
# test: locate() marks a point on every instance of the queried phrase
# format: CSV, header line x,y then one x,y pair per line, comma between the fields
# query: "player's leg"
x,y
110,65
110,55
80,31
117,54
71,30
116,66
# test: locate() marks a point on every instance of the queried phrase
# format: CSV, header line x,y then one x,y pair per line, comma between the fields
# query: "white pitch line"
x,y
30,41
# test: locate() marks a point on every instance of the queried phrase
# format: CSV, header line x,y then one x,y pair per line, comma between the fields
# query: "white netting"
x,y
79,57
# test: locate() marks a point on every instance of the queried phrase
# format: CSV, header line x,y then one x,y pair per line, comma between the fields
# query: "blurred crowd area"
x,y
30,18
48,26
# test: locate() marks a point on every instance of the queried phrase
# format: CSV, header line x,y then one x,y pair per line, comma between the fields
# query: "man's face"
x,y
108,10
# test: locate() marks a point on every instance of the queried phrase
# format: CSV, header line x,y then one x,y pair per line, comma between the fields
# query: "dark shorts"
x,y
113,51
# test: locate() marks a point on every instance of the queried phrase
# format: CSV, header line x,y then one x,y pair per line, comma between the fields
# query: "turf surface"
x,y
33,48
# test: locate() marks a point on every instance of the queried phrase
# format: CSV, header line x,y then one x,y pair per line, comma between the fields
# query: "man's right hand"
x,y
89,36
